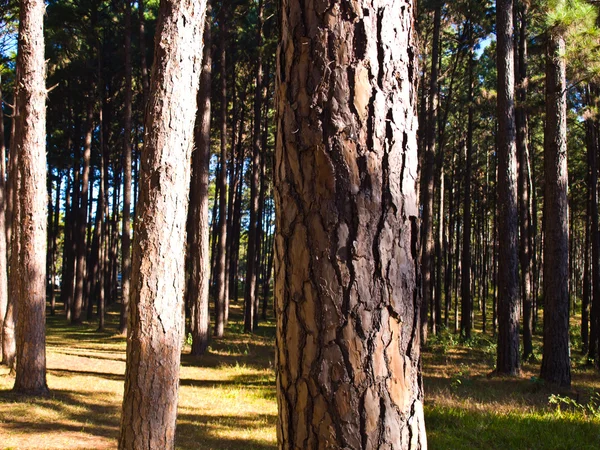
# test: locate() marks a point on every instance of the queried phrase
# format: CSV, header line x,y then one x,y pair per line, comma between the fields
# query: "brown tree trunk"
x,y
556,361
220,266
3,247
199,282
156,327
348,319
508,261
33,198
251,260
523,179
81,246
126,231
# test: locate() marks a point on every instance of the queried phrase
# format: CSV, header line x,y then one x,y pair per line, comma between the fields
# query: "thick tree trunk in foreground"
x,y
199,245
508,262
33,198
556,361
156,323
348,344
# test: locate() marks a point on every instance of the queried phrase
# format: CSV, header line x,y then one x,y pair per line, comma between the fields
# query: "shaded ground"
x,y
227,398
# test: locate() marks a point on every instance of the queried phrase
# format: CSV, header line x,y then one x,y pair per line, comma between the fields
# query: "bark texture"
x,y
33,199
199,244
156,316
508,262
556,361
348,346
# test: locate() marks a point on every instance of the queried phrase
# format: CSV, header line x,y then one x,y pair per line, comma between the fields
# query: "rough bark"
x,y
156,327
33,198
556,362
199,245
508,263
348,319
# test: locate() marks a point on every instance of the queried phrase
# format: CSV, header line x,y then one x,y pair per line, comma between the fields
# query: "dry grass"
x,y
227,398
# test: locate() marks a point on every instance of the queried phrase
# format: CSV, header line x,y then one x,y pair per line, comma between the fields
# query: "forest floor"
x,y
227,398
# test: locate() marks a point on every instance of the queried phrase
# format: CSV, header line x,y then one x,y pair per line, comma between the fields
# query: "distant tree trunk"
x,y
198,242
81,246
251,260
348,319
143,59
156,328
594,236
221,269
466,322
3,247
556,361
508,261
126,230
427,181
9,343
33,198
523,180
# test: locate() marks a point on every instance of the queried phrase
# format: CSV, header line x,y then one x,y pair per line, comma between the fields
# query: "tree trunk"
x,y
508,261
251,260
348,319
33,198
156,327
221,269
3,247
556,362
199,282
126,231
81,246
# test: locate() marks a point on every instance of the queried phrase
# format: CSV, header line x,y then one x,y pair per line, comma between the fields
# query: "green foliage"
x,y
589,409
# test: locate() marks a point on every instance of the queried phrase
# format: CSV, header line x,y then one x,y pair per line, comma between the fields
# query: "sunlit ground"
x,y
227,398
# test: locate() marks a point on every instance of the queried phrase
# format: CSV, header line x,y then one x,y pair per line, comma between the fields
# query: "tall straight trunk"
x,y
221,267
199,281
348,353
54,243
3,247
556,361
143,59
586,297
594,236
508,262
9,338
33,198
156,328
466,322
251,260
523,178
126,230
81,245
427,181
449,248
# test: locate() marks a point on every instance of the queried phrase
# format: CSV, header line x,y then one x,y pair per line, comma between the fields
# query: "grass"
x,y
227,398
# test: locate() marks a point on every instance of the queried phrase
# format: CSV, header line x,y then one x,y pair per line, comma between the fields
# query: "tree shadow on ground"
x,y
210,432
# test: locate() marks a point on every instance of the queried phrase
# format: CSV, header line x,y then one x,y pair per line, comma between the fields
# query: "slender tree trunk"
x,y
156,328
81,246
3,246
251,260
556,361
508,263
126,231
427,182
33,197
221,269
348,353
